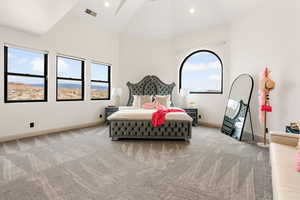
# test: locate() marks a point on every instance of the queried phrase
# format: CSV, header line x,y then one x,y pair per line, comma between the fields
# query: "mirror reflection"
x,y
238,106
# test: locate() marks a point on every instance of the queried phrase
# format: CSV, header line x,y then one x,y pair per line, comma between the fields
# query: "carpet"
x,y
85,164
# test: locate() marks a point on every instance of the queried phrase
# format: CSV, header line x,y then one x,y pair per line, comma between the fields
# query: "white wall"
x,y
267,37
270,37
211,106
72,37
140,57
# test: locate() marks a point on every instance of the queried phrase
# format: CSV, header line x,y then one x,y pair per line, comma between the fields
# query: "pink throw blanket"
x,y
159,117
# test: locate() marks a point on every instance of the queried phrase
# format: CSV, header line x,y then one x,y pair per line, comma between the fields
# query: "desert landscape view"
x,y
22,92
99,94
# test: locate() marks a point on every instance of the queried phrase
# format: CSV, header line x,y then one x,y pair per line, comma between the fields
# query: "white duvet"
x,y
130,113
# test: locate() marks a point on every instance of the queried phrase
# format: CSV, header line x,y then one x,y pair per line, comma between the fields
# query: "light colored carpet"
x,y
85,164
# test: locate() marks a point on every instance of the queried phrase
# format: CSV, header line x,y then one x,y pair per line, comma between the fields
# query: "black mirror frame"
x,y
248,103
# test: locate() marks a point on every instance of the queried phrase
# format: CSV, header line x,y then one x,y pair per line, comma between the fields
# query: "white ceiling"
x,y
171,18
107,18
158,18
33,16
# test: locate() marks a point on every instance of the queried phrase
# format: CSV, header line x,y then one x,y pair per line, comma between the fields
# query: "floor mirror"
x,y
238,107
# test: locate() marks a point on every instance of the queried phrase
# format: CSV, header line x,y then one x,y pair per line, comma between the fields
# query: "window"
x,y
25,75
100,83
70,79
202,72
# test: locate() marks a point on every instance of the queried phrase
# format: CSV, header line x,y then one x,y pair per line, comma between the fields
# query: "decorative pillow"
x,y
139,101
163,100
159,106
149,106
153,105
145,99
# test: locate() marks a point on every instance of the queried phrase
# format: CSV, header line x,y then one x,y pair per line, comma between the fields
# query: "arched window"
x,y
202,72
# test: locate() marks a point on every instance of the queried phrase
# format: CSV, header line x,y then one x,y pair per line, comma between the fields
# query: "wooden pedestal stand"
x,y
266,131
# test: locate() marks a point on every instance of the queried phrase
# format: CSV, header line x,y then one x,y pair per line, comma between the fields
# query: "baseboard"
x,y
49,131
209,125
258,138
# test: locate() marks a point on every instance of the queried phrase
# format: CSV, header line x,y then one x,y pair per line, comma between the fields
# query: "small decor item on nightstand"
x,y
192,104
293,128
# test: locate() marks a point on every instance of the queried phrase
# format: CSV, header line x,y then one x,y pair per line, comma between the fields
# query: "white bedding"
x,y
131,113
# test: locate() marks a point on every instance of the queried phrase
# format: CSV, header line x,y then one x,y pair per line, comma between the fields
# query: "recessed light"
x,y
192,10
106,4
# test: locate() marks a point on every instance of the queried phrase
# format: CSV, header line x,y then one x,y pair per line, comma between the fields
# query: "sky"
x,y
26,62
202,72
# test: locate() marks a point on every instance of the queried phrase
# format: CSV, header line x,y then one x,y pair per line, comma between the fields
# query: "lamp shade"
x,y
113,91
116,91
183,92
119,91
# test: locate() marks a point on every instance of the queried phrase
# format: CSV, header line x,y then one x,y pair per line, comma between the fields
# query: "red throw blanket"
x,y
159,117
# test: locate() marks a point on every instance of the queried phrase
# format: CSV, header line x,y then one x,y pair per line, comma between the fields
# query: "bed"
x,y
132,123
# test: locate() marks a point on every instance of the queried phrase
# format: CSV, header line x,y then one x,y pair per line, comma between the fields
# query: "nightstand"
x,y
108,111
193,113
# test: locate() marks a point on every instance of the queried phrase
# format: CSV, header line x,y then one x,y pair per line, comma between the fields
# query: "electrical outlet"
x,y
31,125
100,116
199,116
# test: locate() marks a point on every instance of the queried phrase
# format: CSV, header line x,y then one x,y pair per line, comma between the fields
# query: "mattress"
x,y
146,114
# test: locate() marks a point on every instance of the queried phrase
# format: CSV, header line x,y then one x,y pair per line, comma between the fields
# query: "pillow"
x,y
149,105
139,101
136,101
145,99
153,105
164,100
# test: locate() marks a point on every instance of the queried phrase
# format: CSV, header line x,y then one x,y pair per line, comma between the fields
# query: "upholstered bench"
x,y
285,178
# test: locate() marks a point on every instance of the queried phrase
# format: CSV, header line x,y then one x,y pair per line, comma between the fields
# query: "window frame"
x,y
222,71
6,74
101,81
71,79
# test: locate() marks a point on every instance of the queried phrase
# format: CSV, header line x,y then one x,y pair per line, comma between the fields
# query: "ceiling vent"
x,y
90,12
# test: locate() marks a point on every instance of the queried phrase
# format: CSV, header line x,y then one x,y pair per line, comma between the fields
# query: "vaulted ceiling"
x,y
158,18
171,18
33,16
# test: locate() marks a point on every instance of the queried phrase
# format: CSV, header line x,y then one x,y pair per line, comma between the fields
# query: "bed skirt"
x,y
143,129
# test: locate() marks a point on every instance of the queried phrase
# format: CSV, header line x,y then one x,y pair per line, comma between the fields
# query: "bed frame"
x,y
143,129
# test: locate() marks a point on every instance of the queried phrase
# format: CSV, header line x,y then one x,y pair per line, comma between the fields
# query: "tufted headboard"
x,y
150,85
